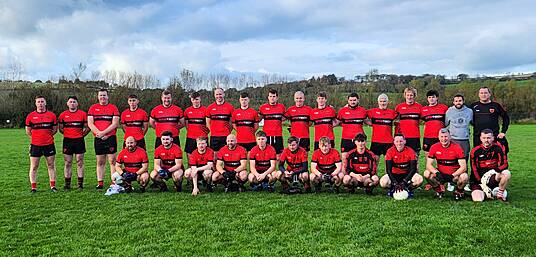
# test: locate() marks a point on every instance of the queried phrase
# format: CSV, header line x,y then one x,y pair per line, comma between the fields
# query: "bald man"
x,y
231,164
132,164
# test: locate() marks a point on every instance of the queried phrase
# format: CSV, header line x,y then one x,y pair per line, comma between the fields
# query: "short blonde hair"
x,y
324,141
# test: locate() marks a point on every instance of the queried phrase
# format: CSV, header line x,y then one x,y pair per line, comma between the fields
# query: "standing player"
x,y
218,117
451,166
324,118
326,166
135,122
73,126
300,120
196,125
489,166
401,168
409,113
381,119
167,163
231,165
103,119
361,167
41,125
351,118
166,117
434,119
201,163
132,164
245,122
262,164
296,159
273,114
486,114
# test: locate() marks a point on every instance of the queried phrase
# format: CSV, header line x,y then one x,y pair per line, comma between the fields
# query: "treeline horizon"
x,y
517,95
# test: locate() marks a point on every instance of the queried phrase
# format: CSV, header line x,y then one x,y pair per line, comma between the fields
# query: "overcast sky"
x,y
299,37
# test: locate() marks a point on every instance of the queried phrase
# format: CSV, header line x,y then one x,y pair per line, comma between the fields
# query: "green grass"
x,y
88,223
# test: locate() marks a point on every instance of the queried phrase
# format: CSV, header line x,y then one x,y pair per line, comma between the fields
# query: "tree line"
x,y
17,98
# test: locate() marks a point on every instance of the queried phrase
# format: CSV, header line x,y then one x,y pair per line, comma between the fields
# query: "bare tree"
x,y
78,70
95,75
13,71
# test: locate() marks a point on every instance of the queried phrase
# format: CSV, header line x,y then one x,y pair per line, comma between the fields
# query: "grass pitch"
x,y
76,223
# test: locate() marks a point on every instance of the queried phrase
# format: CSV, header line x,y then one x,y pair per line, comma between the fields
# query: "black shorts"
x,y
305,143
317,146
428,142
74,146
43,150
248,146
277,143
108,146
347,145
139,143
191,145
444,178
398,178
415,144
380,148
158,142
216,143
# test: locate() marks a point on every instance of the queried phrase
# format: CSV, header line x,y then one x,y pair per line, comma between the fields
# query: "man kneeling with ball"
x,y
131,165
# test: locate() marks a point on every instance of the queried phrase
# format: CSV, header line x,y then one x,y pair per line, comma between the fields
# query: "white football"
x,y
400,195
496,190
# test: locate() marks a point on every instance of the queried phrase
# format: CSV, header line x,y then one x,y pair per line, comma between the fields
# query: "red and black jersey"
x,y
73,123
351,121
220,119
196,124
42,124
132,122
231,158
294,159
401,160
447,157
364,163
409,115
382,124
273,117
167,118
434,119
245,120
103,116
325,163
262,158
323,121
299,120
167,157
132,161
485,159
201,159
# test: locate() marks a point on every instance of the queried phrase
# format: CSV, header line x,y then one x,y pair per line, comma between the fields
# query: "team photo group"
x,y
262,159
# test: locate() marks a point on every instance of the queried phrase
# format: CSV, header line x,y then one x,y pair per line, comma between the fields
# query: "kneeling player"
x,y
231,165
361,167
489,167
326,166
201,165
451,165
132,164
401,168
262,164
167,163
296,159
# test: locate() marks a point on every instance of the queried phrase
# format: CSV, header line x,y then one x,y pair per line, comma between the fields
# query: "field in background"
x,y
88,223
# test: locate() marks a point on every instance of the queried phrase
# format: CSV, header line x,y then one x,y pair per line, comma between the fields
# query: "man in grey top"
x,y
457,120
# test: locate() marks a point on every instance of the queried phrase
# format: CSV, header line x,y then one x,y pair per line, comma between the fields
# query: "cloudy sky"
x,y
297,37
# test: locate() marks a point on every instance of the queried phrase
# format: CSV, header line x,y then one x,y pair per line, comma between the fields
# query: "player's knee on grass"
x,y
504,175
177,175
478,196
314,178
385,182
416,180
463,178
143,178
